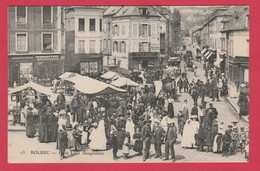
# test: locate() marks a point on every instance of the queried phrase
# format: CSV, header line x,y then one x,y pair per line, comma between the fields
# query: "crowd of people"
x,y
137,119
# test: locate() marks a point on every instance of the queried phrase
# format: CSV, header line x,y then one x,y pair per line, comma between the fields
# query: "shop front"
x,y
142,60
21,69
239,69
88,64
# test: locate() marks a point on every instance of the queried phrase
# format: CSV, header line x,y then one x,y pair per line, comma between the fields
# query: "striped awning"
x,y
218,61
209,55
204,50
44,58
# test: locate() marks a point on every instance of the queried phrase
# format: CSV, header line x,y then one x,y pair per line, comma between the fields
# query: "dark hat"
x,y
234,122
120,114
235,129
230,126
210,104
242,129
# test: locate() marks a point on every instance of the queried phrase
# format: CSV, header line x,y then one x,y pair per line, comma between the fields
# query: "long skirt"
x,y
138,146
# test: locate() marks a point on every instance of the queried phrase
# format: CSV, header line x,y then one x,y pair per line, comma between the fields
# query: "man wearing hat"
x,y
146,134
170,139
121,130
158,134
234,139
213,109
242,137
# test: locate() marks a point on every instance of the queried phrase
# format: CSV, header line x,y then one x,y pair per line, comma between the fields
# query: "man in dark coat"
x,y
213,109
146,138
170,139
75,104
194,95
215,92
186,85
61,99
120,126
194,110
158,133
180,84
226,139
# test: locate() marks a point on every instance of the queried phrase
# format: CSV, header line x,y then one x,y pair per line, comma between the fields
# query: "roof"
x,y
134,11
238,22
112,10
235,9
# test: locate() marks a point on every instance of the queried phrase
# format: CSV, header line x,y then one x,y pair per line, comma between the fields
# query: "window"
x,y
143,11
92,25
123,29
21,16
115,46
84,68
247,21
81,46
81,24
143,47
100,24
105,45
100,46
123,46
93,67
47,42
92,46
144,29
135,30
21,42
47,14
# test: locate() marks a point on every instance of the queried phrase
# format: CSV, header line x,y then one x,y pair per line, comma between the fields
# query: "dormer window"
x,y
143,11
247,21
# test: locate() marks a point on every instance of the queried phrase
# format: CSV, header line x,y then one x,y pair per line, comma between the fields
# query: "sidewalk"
x,y
233,103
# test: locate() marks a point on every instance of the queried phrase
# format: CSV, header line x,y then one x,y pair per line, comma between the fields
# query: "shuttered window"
x,y
92,24
21,41
47,14
92,45
81,24
21,14
47,41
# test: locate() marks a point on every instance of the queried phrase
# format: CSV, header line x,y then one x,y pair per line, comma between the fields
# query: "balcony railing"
x,y
144,54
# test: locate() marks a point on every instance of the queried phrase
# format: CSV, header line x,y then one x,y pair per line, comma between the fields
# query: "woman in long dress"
x,y
130,127
98,137
233,91
30,127
190,129
185,110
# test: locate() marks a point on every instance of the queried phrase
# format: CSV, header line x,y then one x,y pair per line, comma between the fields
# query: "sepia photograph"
x,y
128,84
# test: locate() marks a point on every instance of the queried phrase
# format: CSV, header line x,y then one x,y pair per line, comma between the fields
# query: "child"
x,y
77,134
138,145
242,137
126,145
226,139
234,139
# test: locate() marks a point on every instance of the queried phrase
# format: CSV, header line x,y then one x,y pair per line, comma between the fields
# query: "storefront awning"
x,y
218,61
209,55
204,50
34,86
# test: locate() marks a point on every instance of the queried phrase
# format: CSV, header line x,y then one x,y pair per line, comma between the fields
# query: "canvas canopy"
x,y
92,86
34,86
121,82
67,75
110,75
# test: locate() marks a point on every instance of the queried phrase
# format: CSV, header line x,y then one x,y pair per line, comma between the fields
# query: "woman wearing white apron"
x,y
98,137
130,127
233,91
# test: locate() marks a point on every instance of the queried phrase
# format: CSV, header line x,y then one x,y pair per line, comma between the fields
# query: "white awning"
x,y
110,75
120,82
36,87
217,62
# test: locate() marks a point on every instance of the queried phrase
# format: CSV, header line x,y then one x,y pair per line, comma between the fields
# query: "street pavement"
x,y
28,150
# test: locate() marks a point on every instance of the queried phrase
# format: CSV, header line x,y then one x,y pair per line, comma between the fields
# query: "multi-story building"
x,y
235,44
84,40
135,37
108,61
35,42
